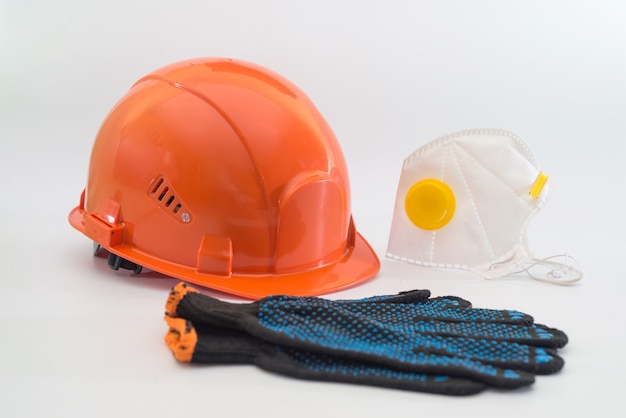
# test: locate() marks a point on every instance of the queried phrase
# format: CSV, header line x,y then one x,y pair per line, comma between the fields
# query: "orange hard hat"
x,y
224,174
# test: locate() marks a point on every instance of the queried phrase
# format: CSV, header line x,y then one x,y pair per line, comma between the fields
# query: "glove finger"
x,y
520,357
535,335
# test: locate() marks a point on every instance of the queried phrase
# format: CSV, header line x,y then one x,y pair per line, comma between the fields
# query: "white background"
x,y
79,340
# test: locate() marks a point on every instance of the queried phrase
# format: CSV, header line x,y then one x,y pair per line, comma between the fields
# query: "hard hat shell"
x,y
224,174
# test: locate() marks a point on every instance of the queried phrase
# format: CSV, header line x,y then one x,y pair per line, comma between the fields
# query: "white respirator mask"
x,y
464,201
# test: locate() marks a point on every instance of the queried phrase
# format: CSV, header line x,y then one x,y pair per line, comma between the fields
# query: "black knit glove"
x,y
406,333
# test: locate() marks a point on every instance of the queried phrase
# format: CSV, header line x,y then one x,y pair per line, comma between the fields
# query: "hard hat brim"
x,y
357,265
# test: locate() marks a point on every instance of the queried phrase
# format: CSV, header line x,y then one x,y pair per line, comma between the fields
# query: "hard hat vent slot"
x,y
164,196
157,184
163,193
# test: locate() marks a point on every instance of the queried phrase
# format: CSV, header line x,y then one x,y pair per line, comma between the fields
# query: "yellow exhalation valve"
x,y
430,204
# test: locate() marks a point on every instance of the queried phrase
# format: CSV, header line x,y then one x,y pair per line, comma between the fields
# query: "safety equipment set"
x,y
224,174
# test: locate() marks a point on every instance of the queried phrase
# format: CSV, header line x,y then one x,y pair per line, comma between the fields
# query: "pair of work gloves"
x,y
407,341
